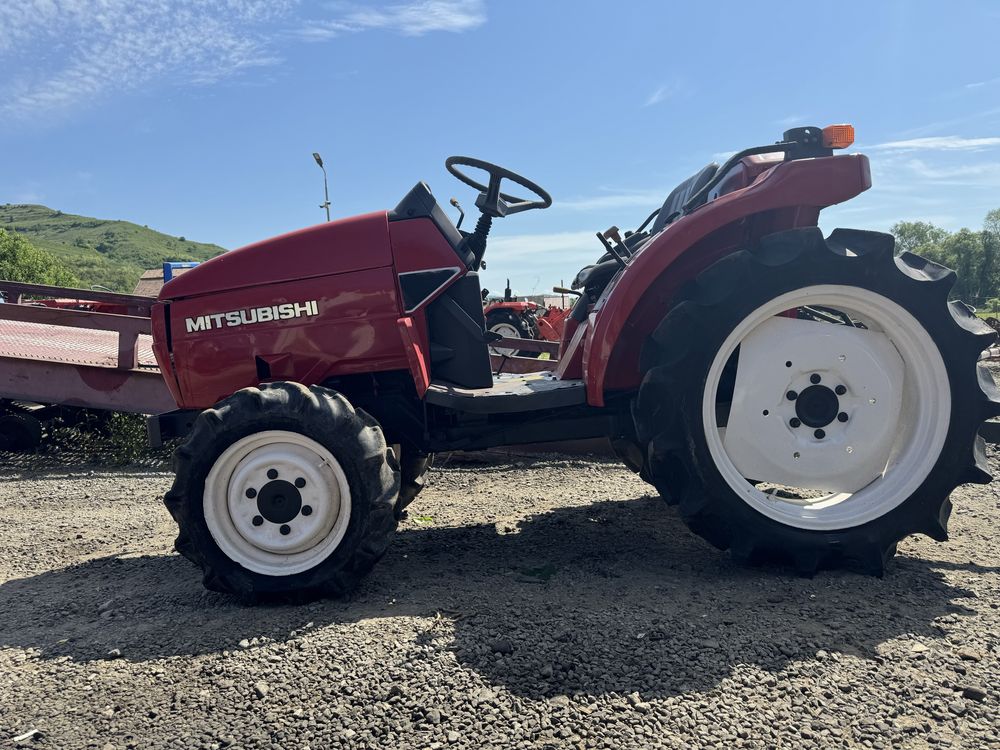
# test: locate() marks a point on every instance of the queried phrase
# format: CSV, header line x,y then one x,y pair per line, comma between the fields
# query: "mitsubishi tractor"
x,y
803,398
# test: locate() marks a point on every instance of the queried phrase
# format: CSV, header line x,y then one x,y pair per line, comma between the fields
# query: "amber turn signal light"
x,y
838,136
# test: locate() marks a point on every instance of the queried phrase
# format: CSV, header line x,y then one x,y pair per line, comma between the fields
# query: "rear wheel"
x,y
284,490
816,400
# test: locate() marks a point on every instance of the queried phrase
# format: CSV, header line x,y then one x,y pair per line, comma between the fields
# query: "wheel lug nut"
x,y
300,483
258,520
794,422
814,378
307,510
842,416
272,473
251,493
791,395
819,434
840,390
285,529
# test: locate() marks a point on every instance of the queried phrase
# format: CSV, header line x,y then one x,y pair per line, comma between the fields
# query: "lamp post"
x,y
326,192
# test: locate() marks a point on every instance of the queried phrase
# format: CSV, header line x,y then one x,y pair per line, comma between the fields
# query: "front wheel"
x,y
816,400
284,490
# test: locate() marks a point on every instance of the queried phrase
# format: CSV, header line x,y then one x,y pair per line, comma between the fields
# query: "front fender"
x,y
787,196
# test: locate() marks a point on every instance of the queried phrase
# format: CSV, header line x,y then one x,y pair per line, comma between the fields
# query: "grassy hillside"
x,y
99,251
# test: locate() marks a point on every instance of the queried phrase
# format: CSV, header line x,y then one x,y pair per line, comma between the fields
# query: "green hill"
x,y
99,251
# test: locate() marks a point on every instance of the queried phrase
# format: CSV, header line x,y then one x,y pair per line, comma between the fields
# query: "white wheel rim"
x,y
901,426
277,503
507,330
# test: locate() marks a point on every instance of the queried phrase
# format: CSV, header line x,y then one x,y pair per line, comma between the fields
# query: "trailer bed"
x,y
79,357
71,346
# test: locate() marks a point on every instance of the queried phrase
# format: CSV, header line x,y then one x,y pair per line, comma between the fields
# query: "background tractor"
x,y
514,318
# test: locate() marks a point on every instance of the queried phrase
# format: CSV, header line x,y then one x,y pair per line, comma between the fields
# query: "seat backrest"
x,y
680,195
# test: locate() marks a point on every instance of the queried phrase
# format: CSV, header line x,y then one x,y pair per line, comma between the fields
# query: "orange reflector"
x,y
838,136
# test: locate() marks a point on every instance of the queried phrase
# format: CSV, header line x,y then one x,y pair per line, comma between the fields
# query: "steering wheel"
x,y
491,201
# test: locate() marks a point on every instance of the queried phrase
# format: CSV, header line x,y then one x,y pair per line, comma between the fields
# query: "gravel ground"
x,y
528,602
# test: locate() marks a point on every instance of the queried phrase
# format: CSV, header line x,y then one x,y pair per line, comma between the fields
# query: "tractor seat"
x,y
593,279
671,209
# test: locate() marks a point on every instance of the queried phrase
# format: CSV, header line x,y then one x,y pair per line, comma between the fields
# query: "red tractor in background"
x,y
523,319
807,398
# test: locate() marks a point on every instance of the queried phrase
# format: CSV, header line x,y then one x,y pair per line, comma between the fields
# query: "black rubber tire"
x,y
413,468
20,432
678,355
503,316
352,436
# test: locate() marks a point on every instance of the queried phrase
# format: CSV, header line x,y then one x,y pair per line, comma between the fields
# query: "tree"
x,y
989,271
911,235
964,251
20,261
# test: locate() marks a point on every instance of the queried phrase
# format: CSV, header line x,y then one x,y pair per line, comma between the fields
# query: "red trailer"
x,y
58,361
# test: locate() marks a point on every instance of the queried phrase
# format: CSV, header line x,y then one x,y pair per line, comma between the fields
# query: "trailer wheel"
x,y
284,490
509,325
816,401
20,431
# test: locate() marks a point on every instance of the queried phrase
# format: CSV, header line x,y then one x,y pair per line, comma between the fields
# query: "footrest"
x,y
532,391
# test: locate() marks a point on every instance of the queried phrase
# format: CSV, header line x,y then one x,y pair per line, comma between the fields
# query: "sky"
x,y
199,117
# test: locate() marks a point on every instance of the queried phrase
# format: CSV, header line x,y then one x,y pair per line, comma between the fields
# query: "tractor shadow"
x,y
527,607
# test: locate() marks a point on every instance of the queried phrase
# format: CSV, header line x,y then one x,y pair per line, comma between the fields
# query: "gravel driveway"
x,y
528,602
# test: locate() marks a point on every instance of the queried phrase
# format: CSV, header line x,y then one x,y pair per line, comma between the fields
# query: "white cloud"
x,y
536,262
115,45
983,174
980,84
554,244
29,196
409,19
662,93
83,50
612,200
787,122
939,143
951,123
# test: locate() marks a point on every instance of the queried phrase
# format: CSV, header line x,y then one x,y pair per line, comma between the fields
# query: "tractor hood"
x,y
354,244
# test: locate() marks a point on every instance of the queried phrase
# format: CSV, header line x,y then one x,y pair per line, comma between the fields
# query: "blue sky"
x,y
199,117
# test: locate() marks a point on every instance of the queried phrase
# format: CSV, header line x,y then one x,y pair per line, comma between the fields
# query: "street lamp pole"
x,y
326,192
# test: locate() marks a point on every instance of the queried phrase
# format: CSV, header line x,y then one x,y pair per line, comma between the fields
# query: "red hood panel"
x,y
354,244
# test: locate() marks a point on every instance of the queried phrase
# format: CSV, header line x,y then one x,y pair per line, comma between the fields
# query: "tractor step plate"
x,y
530,391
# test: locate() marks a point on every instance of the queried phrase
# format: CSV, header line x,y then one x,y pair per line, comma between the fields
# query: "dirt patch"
x,y
528,602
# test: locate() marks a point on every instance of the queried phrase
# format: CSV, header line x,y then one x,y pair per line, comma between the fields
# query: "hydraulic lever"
x,y
614,253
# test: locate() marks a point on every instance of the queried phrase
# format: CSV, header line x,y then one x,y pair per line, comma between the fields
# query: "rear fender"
x,y
788,196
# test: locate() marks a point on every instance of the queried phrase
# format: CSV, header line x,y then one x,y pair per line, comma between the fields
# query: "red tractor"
x,y
800,397
523,319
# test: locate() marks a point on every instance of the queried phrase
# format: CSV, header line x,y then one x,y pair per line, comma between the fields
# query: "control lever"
x,y
461,214
614,253
614,234
564,290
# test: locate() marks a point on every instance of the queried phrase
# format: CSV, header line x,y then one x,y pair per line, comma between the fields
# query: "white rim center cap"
x,y
783,357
